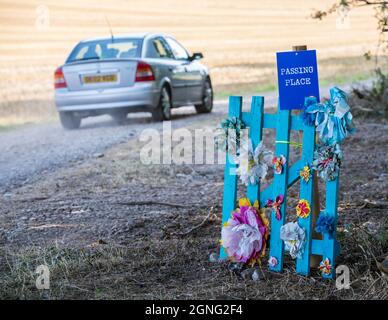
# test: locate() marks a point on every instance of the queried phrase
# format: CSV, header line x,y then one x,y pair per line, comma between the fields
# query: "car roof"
x,y
140,35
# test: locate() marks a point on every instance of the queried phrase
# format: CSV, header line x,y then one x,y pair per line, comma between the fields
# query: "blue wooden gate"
x,y
283,122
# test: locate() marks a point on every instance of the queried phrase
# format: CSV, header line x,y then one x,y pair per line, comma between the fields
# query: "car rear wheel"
x,y
69,120
163,110
207,101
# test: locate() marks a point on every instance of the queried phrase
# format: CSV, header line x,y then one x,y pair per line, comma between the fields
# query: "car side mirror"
x,y
196,56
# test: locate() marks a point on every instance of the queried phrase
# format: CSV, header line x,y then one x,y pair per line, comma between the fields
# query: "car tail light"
x,y
144,72
59,79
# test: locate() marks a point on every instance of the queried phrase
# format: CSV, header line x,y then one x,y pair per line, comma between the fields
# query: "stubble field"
x,y
238,38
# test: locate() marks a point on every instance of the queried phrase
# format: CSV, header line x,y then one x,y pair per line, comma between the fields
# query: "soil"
x,y
112,227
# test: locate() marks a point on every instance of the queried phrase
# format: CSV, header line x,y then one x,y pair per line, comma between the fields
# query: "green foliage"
x,y
381,16
368,101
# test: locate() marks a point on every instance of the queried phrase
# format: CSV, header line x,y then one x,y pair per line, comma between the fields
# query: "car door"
x,y
160,53
193,72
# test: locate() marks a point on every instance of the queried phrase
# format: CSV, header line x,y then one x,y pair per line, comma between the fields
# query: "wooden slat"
x,y
306,193
230,180
270,122
255,134
317,246
280,187
330,246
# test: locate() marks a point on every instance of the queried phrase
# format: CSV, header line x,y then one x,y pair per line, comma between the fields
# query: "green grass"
x,y
333,71
225,91
8,127
340,80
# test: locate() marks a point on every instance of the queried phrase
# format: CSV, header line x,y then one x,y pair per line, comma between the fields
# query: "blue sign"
x,y
297,78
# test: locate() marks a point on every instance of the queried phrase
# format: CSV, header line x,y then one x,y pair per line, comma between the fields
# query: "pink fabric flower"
x,y
244,235
276,205
278,163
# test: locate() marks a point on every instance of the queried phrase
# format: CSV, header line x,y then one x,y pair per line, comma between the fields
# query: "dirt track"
x,y
111,227
32,150
28,152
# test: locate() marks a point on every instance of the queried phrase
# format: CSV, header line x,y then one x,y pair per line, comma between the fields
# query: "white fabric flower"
x,y
294,238
253,165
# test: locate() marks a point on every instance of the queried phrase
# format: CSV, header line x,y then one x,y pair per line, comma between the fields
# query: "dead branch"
x,y
156,203
195,227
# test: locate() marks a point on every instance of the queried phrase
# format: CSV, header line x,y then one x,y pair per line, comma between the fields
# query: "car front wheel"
x,y
69,120
163,110
207,101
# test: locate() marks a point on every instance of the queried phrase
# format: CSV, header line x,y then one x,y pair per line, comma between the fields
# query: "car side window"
x,y
158,48
179,52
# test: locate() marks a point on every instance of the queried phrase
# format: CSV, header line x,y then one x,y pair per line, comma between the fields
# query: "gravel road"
x,y
30,151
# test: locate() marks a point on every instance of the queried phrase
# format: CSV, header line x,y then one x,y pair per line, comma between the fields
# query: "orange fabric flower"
x,y
325,267
303,209
305,173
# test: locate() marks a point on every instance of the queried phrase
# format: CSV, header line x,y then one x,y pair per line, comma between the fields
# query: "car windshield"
x,y
106,49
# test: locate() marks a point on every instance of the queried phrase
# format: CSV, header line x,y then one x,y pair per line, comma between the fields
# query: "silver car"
x,y
128,73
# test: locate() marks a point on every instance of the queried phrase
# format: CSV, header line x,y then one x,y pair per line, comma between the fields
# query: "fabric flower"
x,y
278,163
227,137
333,119
305,173
303,208
272,262
276,205
327,161
308,118
294,239
325,224
253,165
244,236
325,267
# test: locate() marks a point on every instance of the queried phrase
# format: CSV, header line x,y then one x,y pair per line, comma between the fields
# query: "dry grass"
x,y
104,237
177,267
238,39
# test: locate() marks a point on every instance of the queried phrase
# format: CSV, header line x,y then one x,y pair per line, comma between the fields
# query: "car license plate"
x,y
100,78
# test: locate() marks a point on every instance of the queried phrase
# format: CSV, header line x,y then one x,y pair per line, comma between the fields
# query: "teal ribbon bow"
x,y
332,119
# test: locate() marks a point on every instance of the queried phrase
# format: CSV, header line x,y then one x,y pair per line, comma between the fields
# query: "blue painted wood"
x,y
293,173
293,176
297,123
255,134
280,187
317,247
306,193
330,247
230,180
270,122
283,122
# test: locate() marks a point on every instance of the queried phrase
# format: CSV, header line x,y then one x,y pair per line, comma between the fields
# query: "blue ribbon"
x,y
332,119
